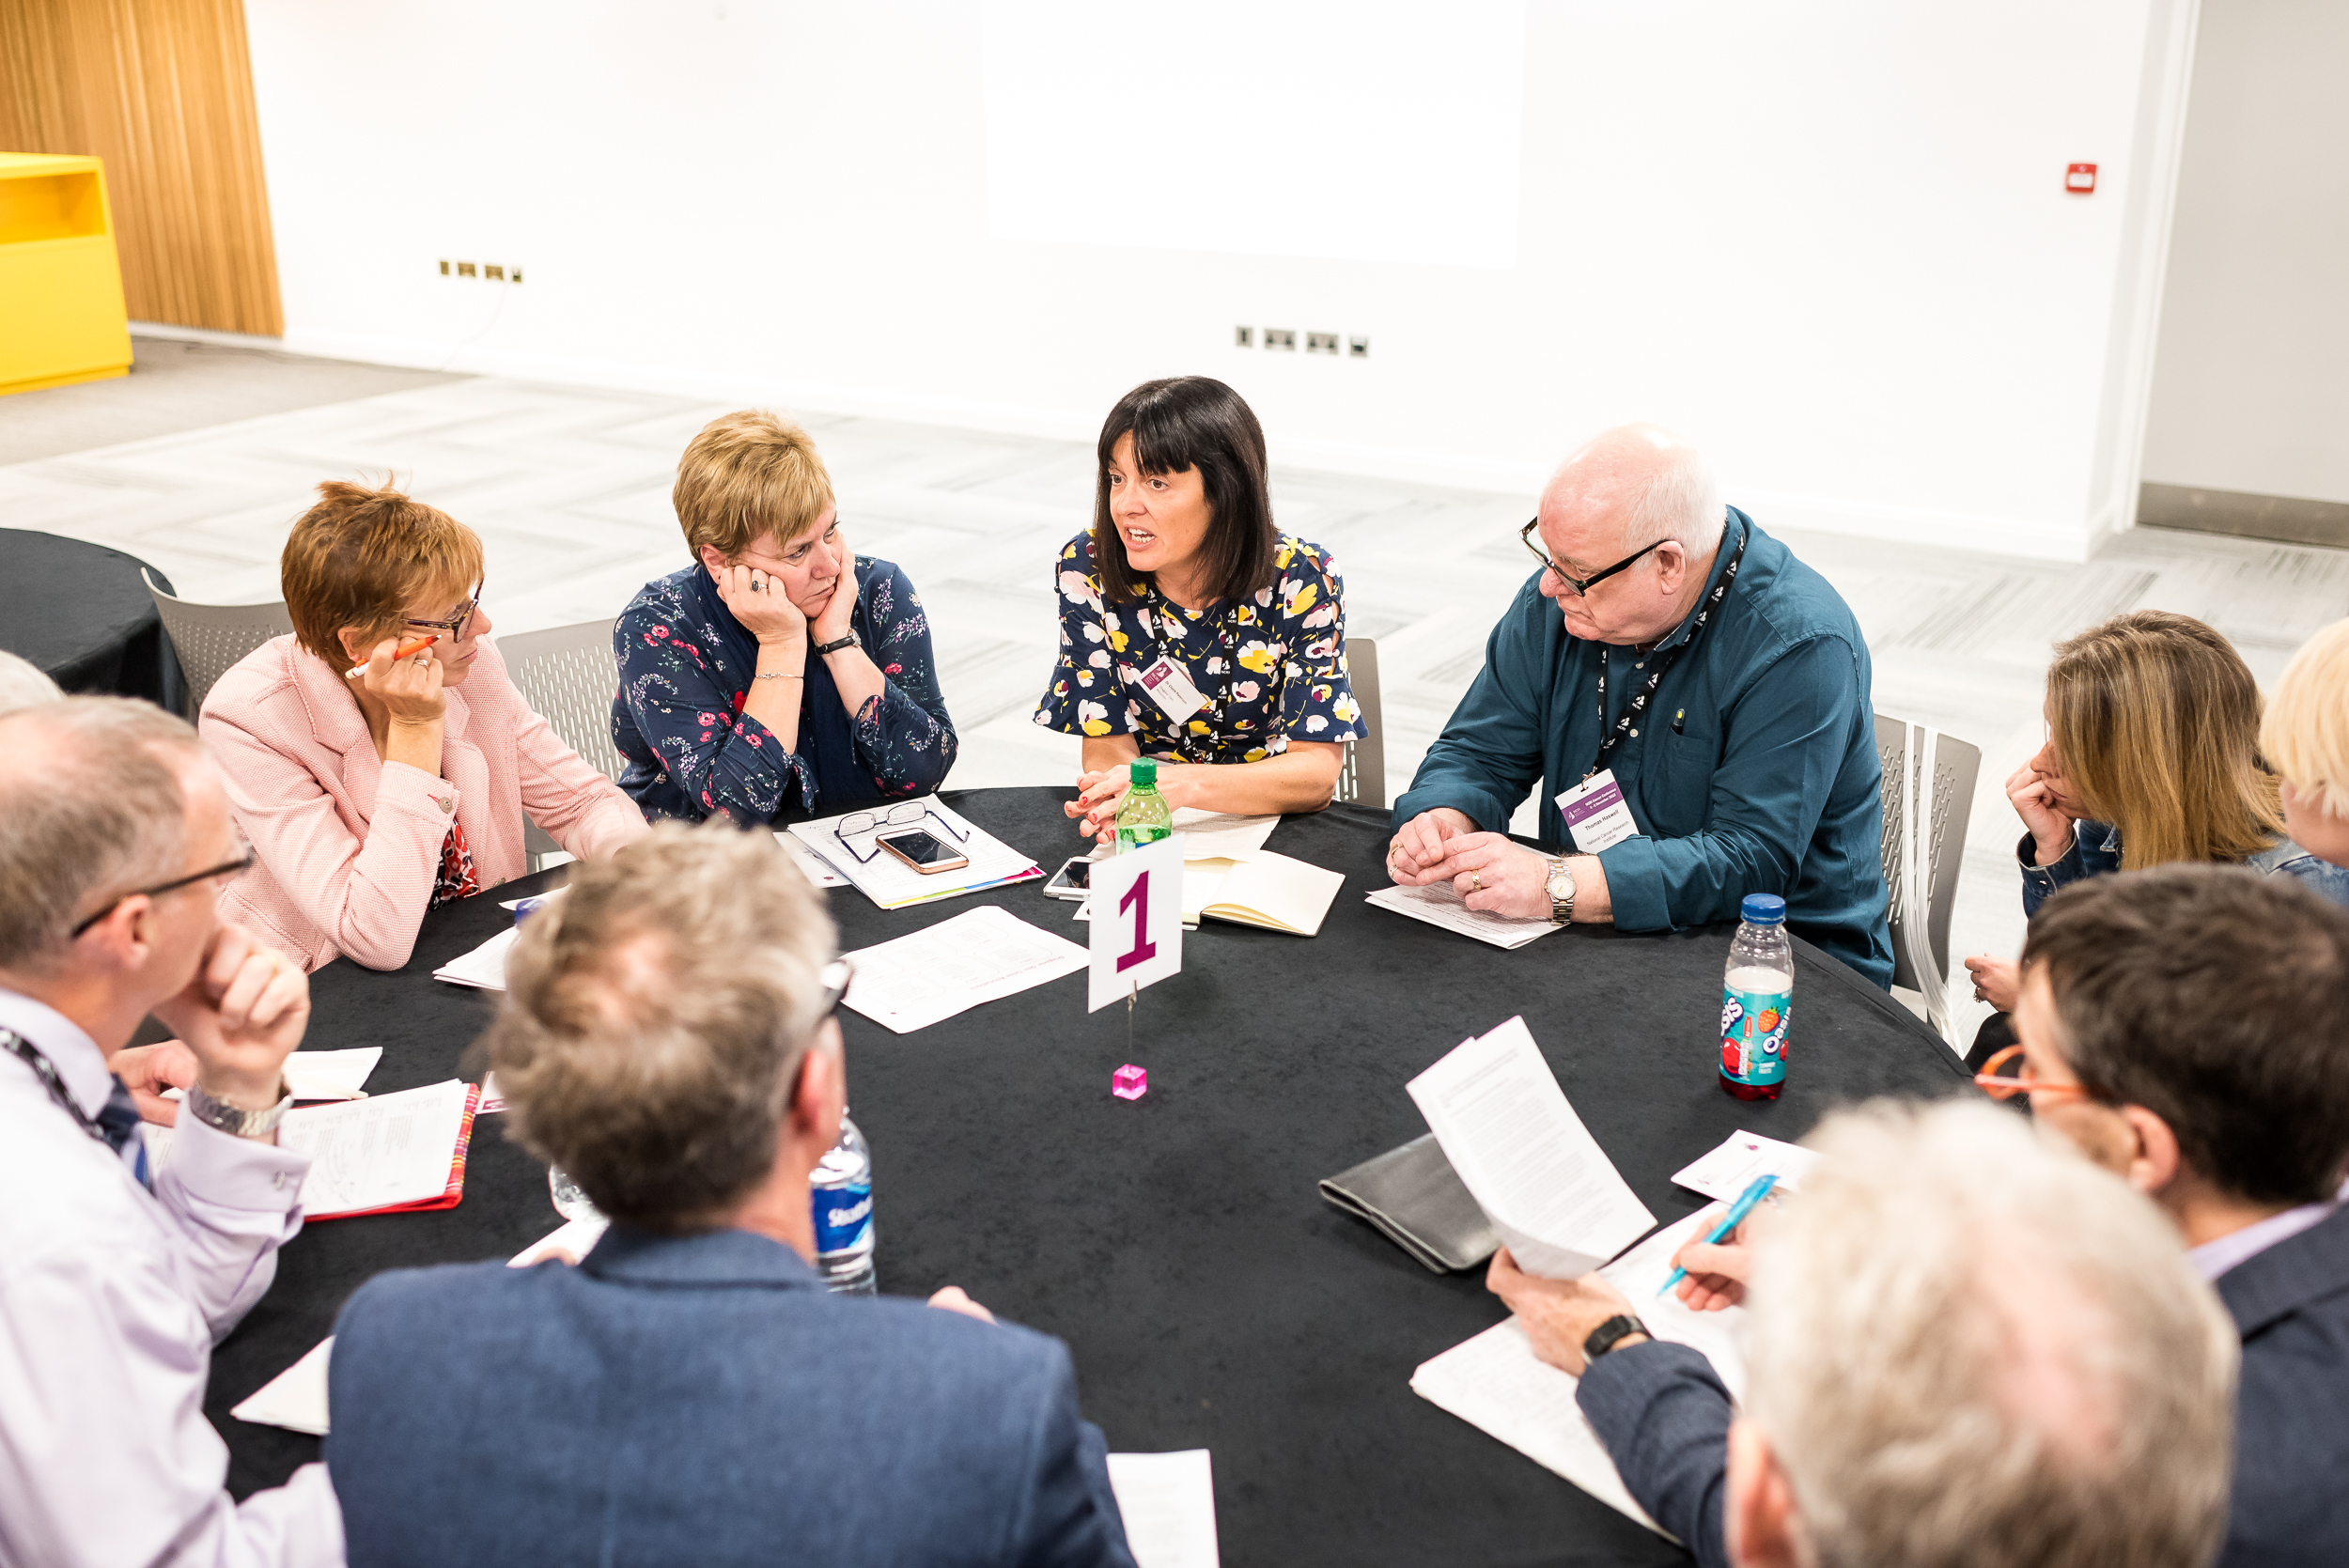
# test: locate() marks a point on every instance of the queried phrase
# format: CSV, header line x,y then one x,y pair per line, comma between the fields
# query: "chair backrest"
x,y
209,638
1363,777
1928,795
568,676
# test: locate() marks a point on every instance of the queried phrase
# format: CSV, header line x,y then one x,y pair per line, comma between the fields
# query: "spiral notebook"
x,y
389,1154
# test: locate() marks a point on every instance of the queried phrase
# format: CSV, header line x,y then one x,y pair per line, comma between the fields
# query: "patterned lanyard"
x,y
1223,640
1640,699
45,1071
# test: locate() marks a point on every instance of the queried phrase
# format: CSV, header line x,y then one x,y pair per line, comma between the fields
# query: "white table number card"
x,y
1137,924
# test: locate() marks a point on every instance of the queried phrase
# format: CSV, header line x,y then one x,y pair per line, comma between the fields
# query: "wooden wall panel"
x,y
162,91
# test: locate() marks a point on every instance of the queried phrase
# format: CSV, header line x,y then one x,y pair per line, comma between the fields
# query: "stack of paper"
x,y
890,883
1728,1170
391,1152
1168,1502
484,967
978,956
811,864
1496,1383
1438,903
1557,1202
295,1399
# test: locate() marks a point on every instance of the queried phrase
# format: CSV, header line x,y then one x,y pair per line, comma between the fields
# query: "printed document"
x,y
1213,835
1168,1501
375,1153
1494,1381
890,883
1728,1170
295,1399
1438,905
915,981
1557,1202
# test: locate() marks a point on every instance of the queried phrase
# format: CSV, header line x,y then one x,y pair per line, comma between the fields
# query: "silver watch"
x,y
1560,886
234,1120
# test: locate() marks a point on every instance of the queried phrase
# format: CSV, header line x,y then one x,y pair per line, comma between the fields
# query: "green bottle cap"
x,y
1144,772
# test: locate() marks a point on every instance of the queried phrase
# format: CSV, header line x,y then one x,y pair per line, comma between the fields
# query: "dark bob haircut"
x,y
1182,423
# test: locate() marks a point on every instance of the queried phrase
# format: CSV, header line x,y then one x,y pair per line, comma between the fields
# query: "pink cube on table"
x,y
1129,1082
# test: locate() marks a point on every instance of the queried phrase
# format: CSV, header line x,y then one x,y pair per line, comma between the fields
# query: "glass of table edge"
x,y
1288,1351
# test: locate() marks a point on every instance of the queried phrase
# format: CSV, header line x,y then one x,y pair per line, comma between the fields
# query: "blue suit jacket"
x,y
703,1401
2292,1416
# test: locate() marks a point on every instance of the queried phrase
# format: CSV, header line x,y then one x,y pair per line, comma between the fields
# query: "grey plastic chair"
x,y
209,638
1363,777
1928,795
568,676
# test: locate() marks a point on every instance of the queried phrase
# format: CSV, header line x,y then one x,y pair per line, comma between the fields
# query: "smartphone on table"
x,y
924,852
1073,880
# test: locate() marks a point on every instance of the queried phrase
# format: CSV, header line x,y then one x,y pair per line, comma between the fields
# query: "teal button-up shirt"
x,y
1754,769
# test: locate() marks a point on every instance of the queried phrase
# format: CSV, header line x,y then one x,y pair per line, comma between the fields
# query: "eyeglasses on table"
x,y
902,815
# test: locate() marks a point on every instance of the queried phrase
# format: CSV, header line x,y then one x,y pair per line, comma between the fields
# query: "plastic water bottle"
x,y
1757,994
842,1190
1144,817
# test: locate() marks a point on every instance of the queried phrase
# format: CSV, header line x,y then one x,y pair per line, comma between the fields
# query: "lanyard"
x,y
1640,699
47,1073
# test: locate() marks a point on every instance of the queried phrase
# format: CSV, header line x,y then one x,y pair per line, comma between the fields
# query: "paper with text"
x,y
1726,1172
1168,1502
295,1399
373,1152
1438,903
1557,1202
890,883
914,981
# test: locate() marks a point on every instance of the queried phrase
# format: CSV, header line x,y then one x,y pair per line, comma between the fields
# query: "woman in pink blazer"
x,y
372,797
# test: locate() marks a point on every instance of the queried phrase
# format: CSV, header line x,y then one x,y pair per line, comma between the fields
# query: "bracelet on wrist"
x,y
778,675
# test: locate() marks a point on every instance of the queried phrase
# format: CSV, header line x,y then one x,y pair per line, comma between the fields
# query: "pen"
x,y
1730,1222
405,649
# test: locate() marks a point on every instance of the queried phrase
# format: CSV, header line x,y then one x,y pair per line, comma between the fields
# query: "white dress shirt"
x,y
111,1298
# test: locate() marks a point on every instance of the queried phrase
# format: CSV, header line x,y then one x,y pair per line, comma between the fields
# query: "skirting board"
x,y
2044,541
2286,519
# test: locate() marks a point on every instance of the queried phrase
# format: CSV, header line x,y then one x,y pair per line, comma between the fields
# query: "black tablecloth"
x,y
80,612
1178,1243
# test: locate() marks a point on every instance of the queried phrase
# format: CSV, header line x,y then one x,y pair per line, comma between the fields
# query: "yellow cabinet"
x,y
61,313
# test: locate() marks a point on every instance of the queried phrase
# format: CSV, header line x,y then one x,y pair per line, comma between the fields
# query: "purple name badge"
x,y
1581,810
1596,814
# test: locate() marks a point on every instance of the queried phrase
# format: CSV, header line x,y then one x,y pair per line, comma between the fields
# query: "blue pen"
x,y
1730,1222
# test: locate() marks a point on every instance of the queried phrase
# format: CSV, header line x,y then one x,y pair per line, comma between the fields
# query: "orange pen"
x,y
405,649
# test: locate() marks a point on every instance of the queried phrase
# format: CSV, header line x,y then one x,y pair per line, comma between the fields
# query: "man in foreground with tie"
x,y
116,1279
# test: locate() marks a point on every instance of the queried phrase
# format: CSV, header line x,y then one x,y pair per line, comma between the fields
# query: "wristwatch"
x,y
1611,1333
835,644
1560,886
233,1120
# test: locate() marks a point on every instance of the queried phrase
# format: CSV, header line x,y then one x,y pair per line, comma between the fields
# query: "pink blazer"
x,y
350,845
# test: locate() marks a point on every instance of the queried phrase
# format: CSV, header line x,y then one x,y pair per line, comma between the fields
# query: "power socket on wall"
x,y
1285,339
490,272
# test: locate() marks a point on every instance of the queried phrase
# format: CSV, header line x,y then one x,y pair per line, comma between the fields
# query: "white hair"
x,y
23,685
1658,484
1971,1349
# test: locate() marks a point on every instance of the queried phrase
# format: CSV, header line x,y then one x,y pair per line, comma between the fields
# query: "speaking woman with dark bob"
x,y
1191,631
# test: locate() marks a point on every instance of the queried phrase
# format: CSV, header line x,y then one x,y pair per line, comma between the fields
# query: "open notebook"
x,y
383,1155
1255,888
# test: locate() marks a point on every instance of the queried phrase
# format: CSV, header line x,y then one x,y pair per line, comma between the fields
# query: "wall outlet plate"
x,y
1358,348
1243,337
1279,337
1322,343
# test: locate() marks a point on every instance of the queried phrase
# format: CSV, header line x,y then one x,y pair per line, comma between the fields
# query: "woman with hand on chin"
x,y
783,676
1191,631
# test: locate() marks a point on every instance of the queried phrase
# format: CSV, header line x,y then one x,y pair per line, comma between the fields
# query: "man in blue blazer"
x,y
690,1393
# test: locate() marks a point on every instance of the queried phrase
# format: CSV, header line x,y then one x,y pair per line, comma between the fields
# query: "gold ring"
x,y
1476,881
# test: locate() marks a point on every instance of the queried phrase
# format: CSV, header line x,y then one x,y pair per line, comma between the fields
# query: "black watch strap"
x,y
835,646
1608,1334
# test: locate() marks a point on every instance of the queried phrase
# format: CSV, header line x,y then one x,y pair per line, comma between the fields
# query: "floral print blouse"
x,y
686,665
1271,667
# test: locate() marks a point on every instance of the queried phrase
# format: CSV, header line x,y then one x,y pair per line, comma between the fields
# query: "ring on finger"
x,y
1476,881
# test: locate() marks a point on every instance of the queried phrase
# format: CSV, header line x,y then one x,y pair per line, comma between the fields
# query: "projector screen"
x,y
1365,131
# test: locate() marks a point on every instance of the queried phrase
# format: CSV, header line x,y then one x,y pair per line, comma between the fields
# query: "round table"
x,y
1178,1242
81,614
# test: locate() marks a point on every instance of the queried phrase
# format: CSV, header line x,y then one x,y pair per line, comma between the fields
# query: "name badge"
x,y
1171,690
1596,814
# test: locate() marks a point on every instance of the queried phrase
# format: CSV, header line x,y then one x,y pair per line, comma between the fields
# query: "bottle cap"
x,y
1764,908
1143,770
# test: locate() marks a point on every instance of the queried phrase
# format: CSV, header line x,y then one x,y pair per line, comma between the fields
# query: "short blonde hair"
x,y
654,1017
1971,1349
2306,733
747,474
361,554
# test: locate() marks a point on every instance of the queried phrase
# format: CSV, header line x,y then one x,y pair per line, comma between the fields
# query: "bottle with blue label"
x,y
842,1189
1757,995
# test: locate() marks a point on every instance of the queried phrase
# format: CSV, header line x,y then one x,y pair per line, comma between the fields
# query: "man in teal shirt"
x,y
1722,682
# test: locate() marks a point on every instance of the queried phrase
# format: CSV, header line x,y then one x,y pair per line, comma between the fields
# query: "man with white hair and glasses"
x,y
116,1278
1694,700
1967,1349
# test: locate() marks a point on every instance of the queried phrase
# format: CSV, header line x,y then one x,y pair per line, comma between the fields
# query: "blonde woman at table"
x,y
374,787
1191,631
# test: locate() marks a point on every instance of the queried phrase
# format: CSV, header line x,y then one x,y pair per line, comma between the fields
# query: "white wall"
x,y
1826,238
2249,389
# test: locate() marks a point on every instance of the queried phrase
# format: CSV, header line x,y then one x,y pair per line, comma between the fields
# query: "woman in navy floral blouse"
x,y
781,675
1190,629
